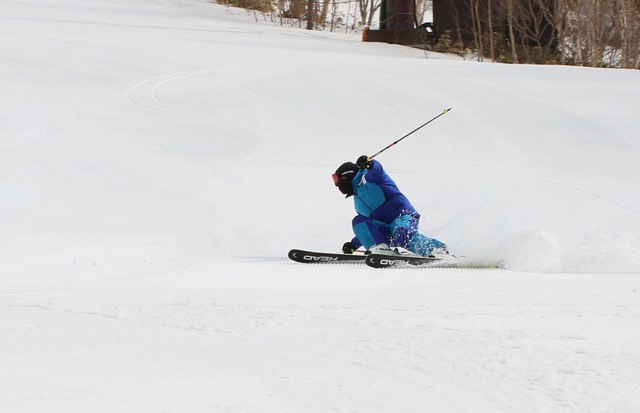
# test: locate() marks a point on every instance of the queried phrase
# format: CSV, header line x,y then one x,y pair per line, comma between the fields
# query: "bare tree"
x,y
422,7
367,10
324,12
477,24
598,33
626,23
510,18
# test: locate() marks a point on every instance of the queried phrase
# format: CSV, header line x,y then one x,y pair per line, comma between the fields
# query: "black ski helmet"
x,y
343,177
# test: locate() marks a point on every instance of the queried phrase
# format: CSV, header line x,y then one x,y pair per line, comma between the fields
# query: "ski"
x,y
390,260
438,261
309,257
397,260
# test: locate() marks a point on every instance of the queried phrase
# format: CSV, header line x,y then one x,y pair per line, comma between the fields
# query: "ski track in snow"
x,y
145,94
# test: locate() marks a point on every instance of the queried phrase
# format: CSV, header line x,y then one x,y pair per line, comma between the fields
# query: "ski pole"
x,y
444,112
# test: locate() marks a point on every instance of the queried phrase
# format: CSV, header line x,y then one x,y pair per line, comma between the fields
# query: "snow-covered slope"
x,y
159,158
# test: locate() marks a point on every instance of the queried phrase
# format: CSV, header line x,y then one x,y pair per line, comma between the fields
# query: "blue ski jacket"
x,y
378,197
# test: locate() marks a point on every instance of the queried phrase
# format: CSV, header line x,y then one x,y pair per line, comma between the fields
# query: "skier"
x,y
385,217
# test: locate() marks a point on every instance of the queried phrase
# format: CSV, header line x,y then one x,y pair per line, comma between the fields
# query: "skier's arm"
x,y
375,173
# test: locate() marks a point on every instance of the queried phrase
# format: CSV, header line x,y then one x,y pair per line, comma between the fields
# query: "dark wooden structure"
x,y
400,14
423,36
398,26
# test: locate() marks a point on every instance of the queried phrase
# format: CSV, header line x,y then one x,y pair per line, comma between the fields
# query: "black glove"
x,y
348,248
364,162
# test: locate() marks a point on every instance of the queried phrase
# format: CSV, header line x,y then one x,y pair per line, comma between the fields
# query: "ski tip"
x,y
307,257
293,254
447,111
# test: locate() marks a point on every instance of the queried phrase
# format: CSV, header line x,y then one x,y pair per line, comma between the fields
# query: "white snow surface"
x,y
158,159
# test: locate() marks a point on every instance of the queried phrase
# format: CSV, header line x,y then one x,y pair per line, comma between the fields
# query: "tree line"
x,y
598,33
331,15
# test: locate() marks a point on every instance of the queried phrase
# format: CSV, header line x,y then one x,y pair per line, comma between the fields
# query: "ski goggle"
x,y
336,179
